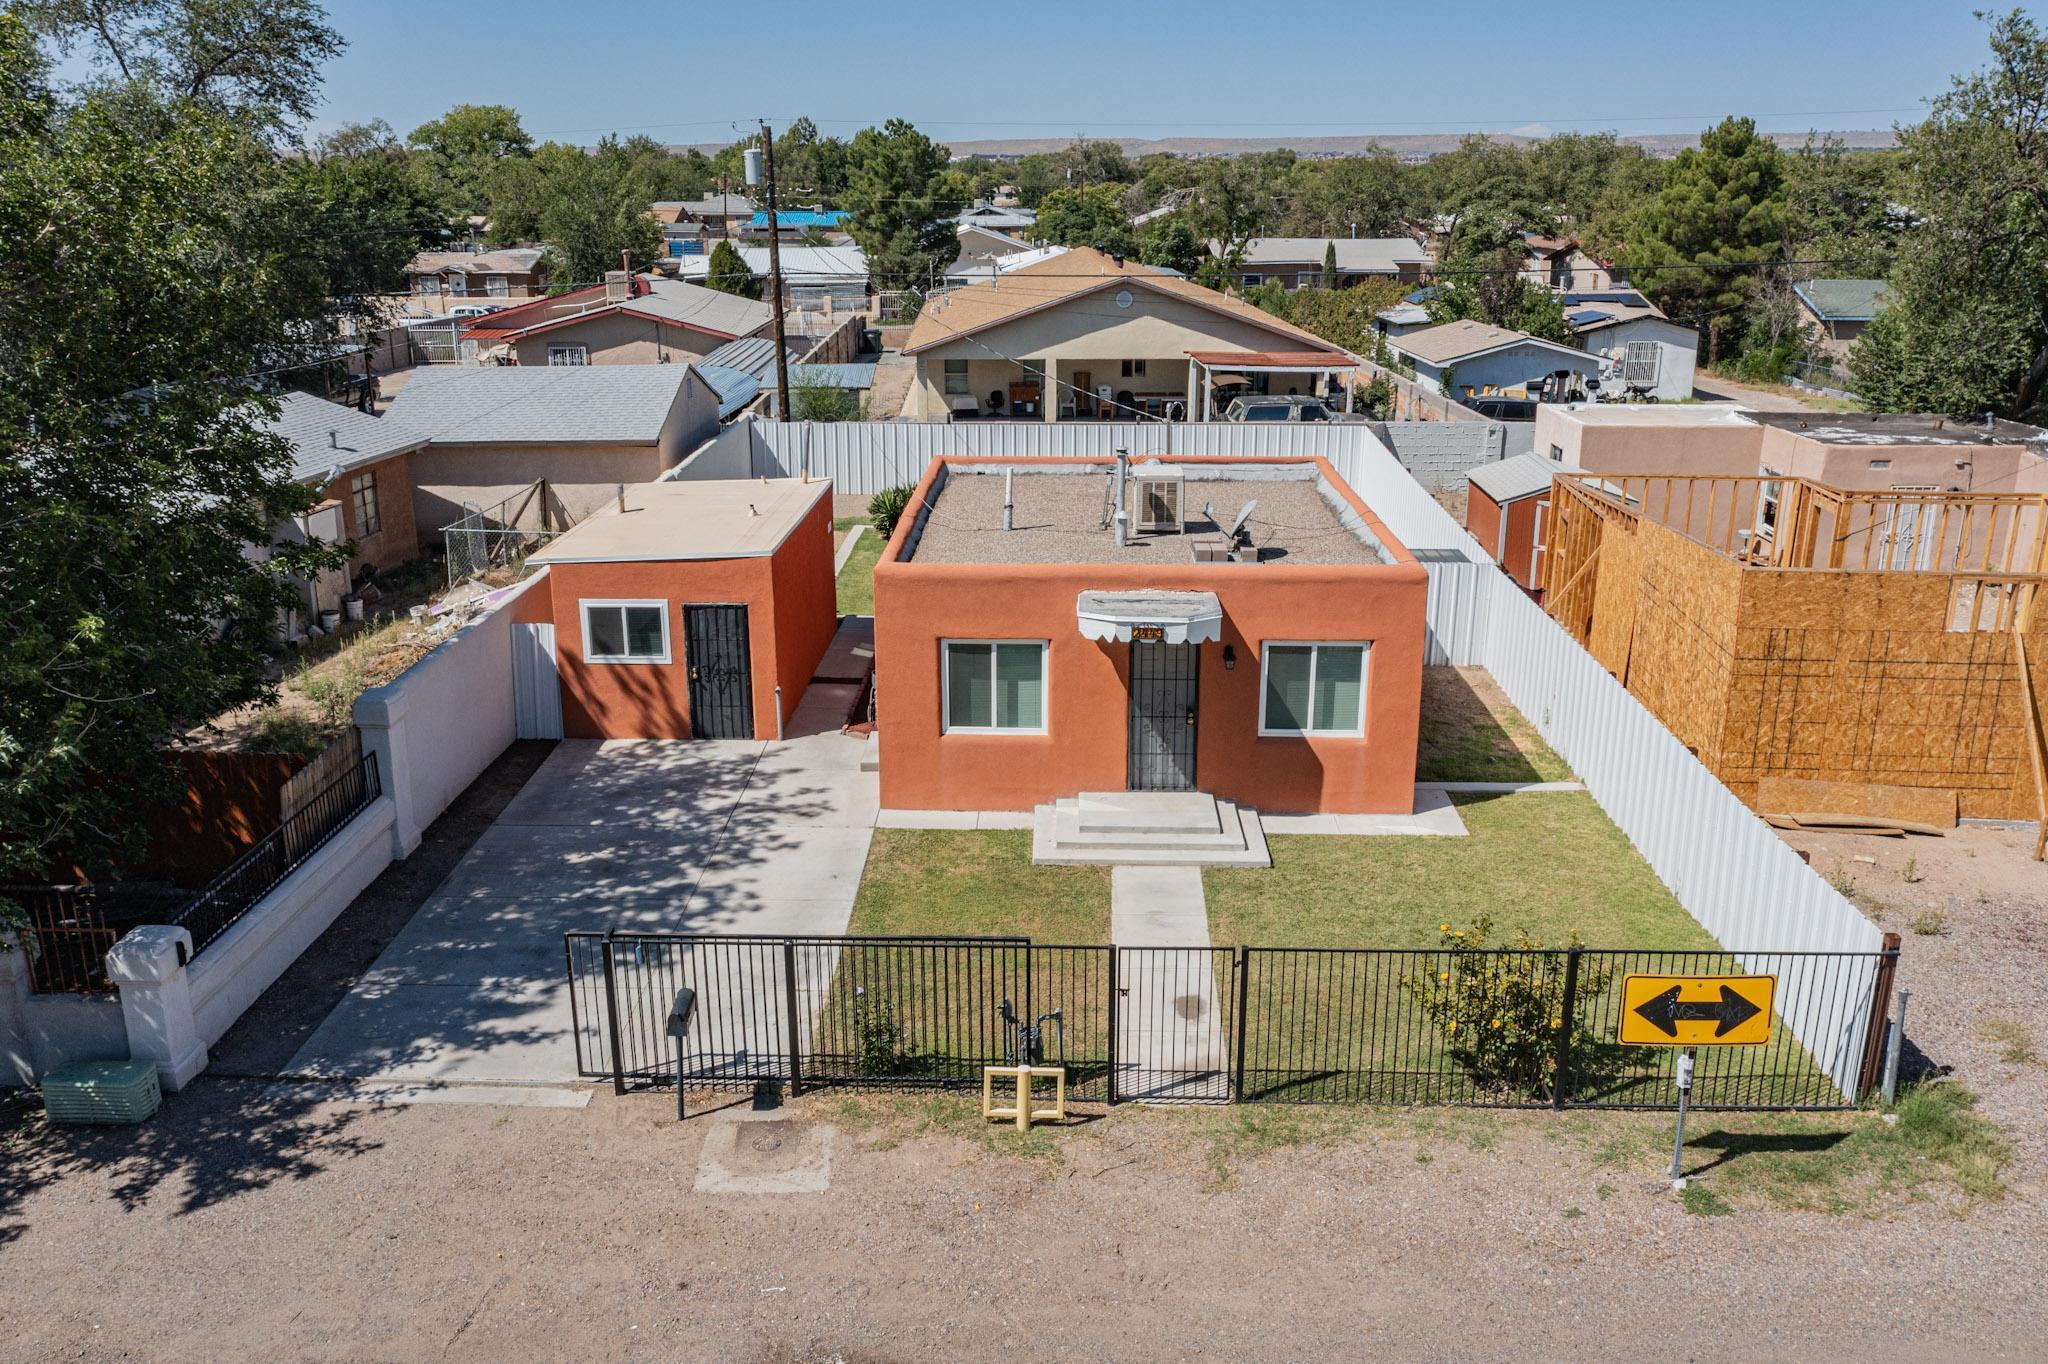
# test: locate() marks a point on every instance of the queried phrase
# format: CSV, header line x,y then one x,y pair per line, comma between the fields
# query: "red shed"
x,y
1508,512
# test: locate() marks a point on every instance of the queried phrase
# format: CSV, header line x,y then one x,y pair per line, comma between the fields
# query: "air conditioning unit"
x,y
1640,366
1159,499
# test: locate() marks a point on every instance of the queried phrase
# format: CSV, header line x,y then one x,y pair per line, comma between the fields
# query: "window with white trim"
x,y
1254,281
956,377
994,686
425,284
625,632
497,286
1312,688
568,355
362,492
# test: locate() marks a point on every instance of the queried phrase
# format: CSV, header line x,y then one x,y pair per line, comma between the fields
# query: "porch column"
x,y
1053,390
1194,387
149,968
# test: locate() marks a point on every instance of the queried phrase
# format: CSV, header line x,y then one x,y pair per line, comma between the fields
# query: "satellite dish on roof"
x,y
1244,515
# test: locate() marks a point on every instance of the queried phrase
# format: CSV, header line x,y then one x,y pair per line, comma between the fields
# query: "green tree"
x,y
1090,216
1329,265
1366,196
1838,208
1966,327
727,272
1236,199
813,397
1343,317
903,202
253,62
1483,281
1172,245
1697,247
808,164
1571,173
594,210
460,153
1485,186
134,467
364,212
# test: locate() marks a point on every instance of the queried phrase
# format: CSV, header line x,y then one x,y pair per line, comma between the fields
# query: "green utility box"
x,y
102,1092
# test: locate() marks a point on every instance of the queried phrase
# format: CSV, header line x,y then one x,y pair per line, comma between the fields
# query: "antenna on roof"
x,y
1209,513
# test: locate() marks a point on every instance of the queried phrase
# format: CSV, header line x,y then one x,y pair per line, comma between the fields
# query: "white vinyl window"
x,y
956,377
568,355
1312,688
497,286
994,686
625,632
425,284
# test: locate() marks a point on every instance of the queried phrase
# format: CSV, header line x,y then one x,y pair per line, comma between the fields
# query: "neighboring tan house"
x,y
1649,355
721,214
638,321
977,269
1466,359
981,243
518,272
1839,310
997,218
1561,265
498,429
362,467
1297,262
1856,451
1082,335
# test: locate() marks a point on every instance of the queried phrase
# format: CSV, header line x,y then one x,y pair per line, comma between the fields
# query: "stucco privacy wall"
x,y
440,723
38,1033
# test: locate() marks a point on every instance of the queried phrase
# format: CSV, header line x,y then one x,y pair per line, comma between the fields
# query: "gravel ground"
x,y
1059,518
243,1224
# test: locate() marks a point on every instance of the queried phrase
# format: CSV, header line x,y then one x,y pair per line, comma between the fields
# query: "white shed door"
x,y
536,689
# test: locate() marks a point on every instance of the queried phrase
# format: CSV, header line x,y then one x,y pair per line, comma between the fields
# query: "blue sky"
x,y
685,73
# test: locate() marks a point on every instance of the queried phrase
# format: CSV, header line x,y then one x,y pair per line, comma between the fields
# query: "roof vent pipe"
x,y
1009,502
622,496
1122,518
334,440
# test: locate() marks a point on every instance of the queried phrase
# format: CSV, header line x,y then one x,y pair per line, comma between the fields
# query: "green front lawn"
x,y
977,883
1548,862
857,579
1472,732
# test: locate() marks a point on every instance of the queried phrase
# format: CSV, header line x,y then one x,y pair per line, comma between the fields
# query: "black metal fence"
x,y
214,909
70,928
1200,1024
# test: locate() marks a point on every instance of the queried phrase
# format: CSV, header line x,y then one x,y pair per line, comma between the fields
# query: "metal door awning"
x,y
1150,617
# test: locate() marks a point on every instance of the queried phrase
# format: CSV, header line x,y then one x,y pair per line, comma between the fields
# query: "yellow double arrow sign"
x,y
1696,1011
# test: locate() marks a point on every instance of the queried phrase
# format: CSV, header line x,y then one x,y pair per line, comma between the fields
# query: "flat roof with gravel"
x,y
1300,518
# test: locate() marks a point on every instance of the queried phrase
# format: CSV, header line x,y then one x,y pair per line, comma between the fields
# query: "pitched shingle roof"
x,y
515,261
1358,255
516,404
1082,270
325,434
1463,339
1843,300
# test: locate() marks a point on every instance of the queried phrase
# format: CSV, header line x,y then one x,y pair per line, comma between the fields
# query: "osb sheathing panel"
x,y
1850,677
1918,804
1615,594
1681,652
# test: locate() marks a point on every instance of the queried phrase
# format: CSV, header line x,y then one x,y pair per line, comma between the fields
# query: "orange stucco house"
x,y
688,610
1255,634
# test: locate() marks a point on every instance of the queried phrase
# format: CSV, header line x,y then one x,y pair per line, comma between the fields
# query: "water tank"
x,y
752,159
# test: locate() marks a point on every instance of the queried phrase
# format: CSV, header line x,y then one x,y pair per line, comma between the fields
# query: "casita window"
x,y
625,632
1313,689
995,686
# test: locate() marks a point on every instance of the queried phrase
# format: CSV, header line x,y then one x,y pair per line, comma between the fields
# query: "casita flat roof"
x,y
662,522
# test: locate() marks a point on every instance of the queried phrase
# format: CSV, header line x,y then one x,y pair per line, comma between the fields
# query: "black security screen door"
x,y
1162,741
715,646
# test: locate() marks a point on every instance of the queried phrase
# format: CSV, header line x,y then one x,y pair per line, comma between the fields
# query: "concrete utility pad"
x,y
674,836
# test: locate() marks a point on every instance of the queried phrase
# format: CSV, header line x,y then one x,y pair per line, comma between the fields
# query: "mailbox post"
x,y
679,1016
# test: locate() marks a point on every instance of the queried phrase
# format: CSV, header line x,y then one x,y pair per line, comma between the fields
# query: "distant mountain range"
x,y
1408,146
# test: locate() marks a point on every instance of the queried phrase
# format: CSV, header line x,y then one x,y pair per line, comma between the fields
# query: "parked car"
x,y
1286,408
1504,409
474,310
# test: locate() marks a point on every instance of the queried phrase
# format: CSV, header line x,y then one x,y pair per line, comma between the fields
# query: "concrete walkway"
x,y
682,836
1170,1041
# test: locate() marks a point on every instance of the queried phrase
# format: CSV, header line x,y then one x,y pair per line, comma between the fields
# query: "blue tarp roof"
x,y
1422,295
801,217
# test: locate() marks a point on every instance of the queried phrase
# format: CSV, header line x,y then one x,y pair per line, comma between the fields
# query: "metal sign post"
x,y
1684,1096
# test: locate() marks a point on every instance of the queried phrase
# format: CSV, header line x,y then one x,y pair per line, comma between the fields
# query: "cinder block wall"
x,y
1439,453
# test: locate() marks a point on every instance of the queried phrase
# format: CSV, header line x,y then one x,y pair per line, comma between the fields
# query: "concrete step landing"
x,y
1147,829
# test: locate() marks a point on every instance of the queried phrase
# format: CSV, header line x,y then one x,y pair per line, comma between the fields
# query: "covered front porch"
x,y
1192,386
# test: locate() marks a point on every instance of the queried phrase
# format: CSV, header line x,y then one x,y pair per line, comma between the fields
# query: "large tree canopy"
x,y
146,271
903,200
1721,213
1090,216
1966,329
461,153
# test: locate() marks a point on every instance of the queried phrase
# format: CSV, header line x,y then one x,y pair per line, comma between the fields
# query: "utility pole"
x,y
775,276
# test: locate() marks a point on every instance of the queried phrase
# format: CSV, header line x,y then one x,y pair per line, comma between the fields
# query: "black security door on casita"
x,y
1162,738
716,649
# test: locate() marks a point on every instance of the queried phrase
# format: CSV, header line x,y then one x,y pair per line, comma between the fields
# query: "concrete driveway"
x,y
725,837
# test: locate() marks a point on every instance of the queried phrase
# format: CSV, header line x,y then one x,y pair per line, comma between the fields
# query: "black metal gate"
x,y
717,648
1162,730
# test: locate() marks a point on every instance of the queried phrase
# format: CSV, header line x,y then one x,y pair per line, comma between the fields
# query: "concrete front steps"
x,y
1147,829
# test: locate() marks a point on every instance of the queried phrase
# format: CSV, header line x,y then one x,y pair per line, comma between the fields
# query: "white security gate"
x,y
536,689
